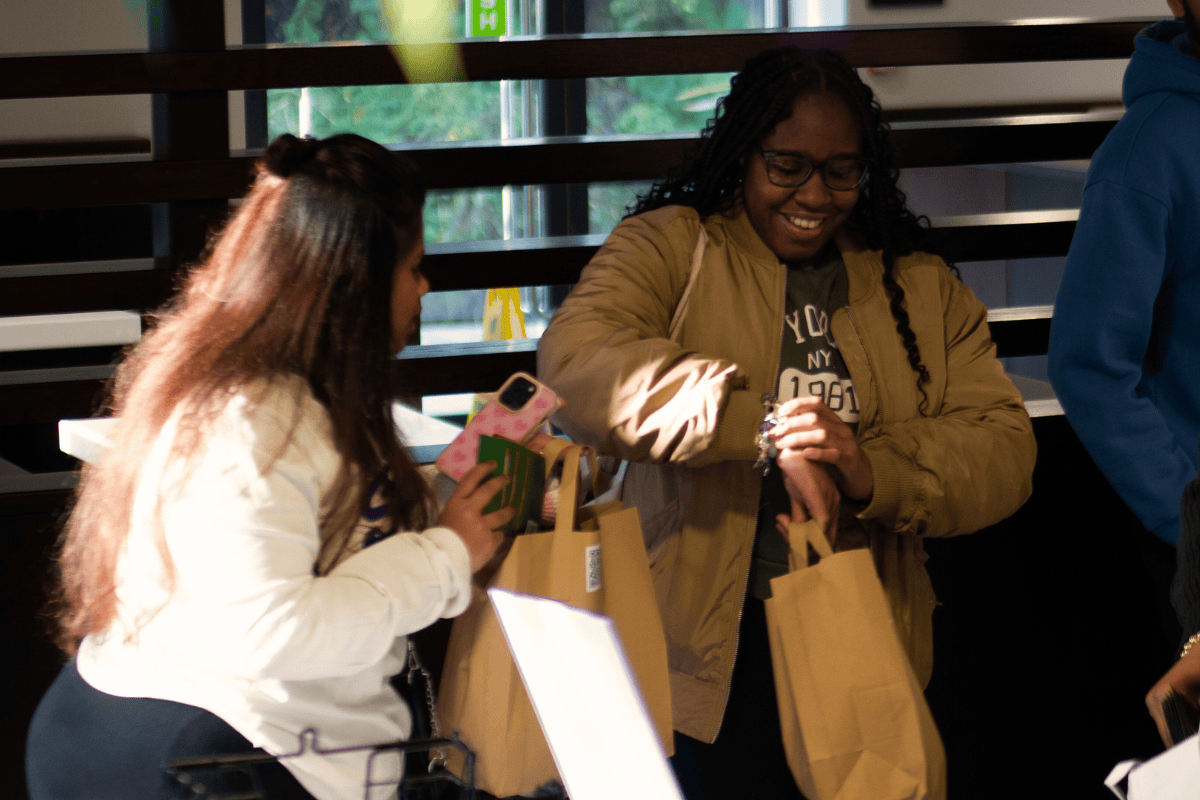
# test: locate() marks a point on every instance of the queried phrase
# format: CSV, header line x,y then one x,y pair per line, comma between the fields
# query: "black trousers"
x,y
747,761
83,743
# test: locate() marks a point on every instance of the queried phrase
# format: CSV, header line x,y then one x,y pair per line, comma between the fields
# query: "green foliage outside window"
x,y
390,114
654,104
471,111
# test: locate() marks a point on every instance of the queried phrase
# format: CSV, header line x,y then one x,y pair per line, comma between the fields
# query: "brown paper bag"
x,y
594,559
854,719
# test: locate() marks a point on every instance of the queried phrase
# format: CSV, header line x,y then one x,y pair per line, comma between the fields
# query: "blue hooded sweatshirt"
x,y
1125,340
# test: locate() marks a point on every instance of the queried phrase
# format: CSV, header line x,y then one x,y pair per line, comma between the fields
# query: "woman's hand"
x,y
817,434
813,493
1184,679
464,515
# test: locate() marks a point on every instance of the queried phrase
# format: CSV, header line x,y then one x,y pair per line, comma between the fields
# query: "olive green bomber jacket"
x,y
685,414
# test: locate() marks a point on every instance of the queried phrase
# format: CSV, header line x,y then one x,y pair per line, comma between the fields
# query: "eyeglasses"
x,y
791,170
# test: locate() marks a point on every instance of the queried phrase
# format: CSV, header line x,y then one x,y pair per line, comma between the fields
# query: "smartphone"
x,y
514,412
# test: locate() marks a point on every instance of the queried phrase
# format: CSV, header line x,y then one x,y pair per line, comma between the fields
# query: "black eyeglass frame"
x,y
813,166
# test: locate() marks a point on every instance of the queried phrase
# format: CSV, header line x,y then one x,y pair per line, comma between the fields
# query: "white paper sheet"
x,y
575,671
1171,775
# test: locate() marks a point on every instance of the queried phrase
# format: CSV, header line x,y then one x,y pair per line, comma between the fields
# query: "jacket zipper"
x,y
737,631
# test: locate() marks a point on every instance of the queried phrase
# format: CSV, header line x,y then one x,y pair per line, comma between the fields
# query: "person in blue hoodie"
x,y
1126,328
1125,338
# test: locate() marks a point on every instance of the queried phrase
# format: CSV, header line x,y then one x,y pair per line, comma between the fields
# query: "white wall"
x,y
984,84
54,26
64,26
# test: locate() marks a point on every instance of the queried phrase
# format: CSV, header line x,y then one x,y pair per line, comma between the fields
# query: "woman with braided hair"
x,y
247,560
779,270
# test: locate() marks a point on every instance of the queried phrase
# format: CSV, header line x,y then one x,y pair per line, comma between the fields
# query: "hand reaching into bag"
x,y
813,493
464,515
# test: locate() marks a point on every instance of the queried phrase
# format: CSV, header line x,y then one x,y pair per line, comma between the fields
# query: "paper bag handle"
x,y
568,490
801,535
553,451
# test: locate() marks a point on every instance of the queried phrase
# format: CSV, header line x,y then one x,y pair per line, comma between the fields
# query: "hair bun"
x,y
287,153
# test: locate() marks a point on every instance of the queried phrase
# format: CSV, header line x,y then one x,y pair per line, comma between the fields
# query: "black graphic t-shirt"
x,y
810,364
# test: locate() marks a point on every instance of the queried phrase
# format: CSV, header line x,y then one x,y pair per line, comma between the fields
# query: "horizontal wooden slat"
x,y
453,368
68,148
568,56
544,261
524,262
82,233
49,402
428,370
96,291
582,159
48,503
1003,140
1024,337
993,237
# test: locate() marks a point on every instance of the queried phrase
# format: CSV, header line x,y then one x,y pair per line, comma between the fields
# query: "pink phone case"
x,y
496,420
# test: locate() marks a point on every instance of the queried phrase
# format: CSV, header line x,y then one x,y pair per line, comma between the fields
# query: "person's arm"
x,y
1103,322
970,464
244,545
629,390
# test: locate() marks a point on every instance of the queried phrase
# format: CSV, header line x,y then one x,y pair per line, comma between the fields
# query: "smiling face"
x,y
408,287
797,223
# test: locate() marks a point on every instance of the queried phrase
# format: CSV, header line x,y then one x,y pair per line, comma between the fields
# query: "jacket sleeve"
x,y
970,465
629,390
244,545
1104,318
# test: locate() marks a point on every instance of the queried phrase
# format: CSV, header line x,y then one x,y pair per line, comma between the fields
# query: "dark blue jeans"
x,y
747,761
83,743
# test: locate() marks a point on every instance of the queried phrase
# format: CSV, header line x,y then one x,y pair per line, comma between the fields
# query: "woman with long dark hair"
x,y
246,561
774,294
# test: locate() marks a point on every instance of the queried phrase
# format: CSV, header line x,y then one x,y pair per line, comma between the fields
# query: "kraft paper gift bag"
x,y
594,559
855,722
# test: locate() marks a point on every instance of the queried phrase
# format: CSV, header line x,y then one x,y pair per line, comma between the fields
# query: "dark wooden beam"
x,y
73,148
577,159
994,237
187,125
1001,140
51,401
429,370
454,368
547,261
60,235
1022,337
563,56
138,290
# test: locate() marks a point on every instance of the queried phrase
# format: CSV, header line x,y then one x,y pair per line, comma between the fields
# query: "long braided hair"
x,y
761,96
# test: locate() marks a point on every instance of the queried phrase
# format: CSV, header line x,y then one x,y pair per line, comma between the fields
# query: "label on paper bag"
x,y
592,560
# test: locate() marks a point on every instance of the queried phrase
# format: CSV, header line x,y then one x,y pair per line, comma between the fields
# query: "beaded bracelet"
x,y
1190,642
766,447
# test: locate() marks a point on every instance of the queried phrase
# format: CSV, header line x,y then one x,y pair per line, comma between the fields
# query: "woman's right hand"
x,y
812,490
464,515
